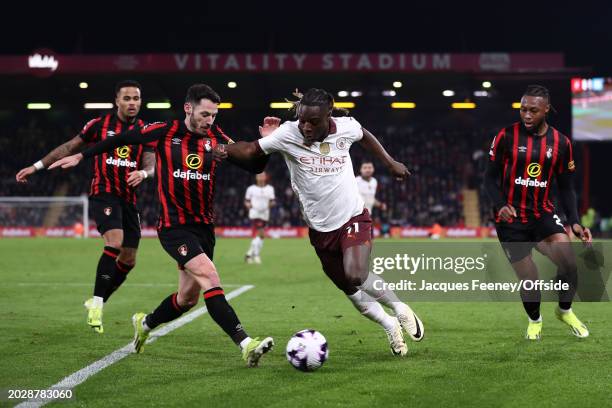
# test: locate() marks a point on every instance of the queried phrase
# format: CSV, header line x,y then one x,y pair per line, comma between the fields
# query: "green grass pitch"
x,y
474,354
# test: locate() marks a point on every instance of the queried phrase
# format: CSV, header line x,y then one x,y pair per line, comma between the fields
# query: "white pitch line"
x,y
83,374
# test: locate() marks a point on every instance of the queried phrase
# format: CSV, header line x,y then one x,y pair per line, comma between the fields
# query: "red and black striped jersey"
x,y
530,163
111,169
184,168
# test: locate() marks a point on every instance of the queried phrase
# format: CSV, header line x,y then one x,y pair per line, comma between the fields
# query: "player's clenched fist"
x,y
399,170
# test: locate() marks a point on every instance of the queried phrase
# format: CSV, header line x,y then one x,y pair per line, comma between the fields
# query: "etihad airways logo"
x,y
121,162
191,175
323,161
529,182
322,165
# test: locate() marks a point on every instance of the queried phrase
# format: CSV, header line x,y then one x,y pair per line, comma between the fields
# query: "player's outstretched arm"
x,y
71,146
372,145
248,155
135,136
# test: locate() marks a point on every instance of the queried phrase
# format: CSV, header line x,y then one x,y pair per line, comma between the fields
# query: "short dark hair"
x,y
128,83
197,92
537,90
541,91
366,162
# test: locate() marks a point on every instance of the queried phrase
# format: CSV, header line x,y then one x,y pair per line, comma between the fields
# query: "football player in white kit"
x,y
316,150
259,198
367,185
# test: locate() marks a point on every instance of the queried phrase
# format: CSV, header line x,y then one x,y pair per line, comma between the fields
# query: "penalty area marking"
x,y
83,374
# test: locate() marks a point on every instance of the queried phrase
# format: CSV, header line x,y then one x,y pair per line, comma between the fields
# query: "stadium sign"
x,y
49,63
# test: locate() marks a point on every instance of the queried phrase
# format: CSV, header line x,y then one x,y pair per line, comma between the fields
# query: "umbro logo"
x,y
110,133
176,140
522,149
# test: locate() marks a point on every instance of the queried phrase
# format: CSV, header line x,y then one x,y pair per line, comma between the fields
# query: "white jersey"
x,y
367,189
260,198
322,174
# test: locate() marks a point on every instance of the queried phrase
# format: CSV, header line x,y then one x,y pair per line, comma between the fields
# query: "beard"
x,y
196,127
537,127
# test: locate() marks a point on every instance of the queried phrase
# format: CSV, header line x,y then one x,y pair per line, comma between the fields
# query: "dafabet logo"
x,y
123,151
193,161
534,170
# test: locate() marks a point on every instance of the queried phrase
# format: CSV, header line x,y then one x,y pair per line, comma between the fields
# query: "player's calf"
x,y
104,272
169,309
118,278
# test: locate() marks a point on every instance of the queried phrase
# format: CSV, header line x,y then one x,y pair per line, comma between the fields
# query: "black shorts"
x,y
185,242
518,239
111,212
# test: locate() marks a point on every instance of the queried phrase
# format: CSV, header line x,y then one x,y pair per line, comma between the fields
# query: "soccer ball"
x,y
307,350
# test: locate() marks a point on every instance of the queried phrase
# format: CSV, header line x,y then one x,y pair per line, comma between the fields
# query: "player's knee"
x,y
346,287
568,267
113,238
356,272
113,243
206,270
355,278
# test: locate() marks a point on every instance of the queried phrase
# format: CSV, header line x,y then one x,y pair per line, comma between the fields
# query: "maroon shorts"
x,y
257,223
330,247
356,231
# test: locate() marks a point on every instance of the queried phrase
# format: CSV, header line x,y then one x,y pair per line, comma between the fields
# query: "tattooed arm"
x,y
70,147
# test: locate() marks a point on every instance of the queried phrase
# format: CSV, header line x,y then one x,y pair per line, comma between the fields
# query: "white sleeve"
x,y
271,195
275,141
249,193
357,133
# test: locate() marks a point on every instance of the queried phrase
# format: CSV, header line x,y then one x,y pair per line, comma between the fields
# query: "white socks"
x,y
244,343
145,327
371,309
255,248
97,301
535,321
385,296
